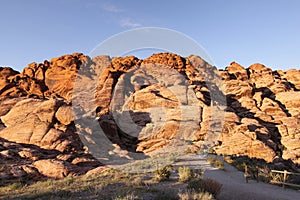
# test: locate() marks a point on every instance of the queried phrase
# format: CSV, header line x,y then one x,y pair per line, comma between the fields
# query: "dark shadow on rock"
x,y
288,84
84,162
242,112
116,133
266,92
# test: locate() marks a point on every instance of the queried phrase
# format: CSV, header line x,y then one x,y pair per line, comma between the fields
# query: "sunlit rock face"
x,y
143,106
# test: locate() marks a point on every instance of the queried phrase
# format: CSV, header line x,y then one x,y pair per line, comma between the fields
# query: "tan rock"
x,y
65,115
291,100
52,168
260,75
29,154
97,170
28,121
145,105
292,76
236,71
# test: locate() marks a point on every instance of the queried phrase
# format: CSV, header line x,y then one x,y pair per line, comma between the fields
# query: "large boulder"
x,y
40,122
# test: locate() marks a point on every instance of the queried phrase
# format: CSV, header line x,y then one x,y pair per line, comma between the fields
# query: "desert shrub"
x,y
186,173
240,161
137,181
197,173
163,173
15,186
69,180
88,187
194,195
264,169
216,162
264,174
205,185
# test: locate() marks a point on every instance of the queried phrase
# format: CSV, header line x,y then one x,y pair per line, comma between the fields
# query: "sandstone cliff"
x,y
142,105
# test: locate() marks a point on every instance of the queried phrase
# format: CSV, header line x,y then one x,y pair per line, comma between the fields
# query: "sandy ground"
x,y
234,184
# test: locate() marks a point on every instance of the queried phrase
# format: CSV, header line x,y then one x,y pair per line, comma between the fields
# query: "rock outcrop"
x,y
141,106
264,108
31,163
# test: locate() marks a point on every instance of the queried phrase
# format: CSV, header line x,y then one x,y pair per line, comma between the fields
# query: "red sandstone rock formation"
x,y
164,98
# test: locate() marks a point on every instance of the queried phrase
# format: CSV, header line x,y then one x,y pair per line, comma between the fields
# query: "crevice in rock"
x,y
157,93
274,134
118,136
266,92
2,125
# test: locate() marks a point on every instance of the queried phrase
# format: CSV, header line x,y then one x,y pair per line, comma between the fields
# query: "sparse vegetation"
x,y
15,186
124,186
137,181
151,163
216,162
191,194
205,185
163,173
186,174
239,162
259,169
130,196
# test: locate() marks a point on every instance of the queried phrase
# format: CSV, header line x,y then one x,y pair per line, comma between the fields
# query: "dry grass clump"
x,y
194,195
186,174
130,196
216,162
205,185
163,173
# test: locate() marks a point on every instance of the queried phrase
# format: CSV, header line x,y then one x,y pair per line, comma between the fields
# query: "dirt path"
x,y
234,185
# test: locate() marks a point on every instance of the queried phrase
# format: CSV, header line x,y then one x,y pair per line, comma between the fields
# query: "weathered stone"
x,y
291,100
65,115
146,106
53,168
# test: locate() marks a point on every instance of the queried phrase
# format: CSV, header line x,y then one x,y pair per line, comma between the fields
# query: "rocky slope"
x,y
141,106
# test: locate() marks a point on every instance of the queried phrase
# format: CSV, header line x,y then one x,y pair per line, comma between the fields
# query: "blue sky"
x,y
257,31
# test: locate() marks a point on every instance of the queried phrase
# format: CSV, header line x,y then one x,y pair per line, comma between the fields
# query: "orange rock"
x,y
142,105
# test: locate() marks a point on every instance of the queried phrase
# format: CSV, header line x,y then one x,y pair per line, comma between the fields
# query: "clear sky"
x,y
245,31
